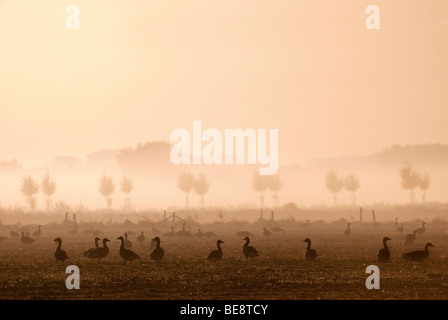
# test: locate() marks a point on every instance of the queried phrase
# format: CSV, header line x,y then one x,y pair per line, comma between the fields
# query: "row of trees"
x,y
412,179
263,183
30,187
335,184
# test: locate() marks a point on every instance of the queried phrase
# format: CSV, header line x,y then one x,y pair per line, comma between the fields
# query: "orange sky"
x,y
138,69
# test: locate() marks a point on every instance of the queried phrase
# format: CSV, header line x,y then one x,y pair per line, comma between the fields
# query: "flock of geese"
x,y
157,253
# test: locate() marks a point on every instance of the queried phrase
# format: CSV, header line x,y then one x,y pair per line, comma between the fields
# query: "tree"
x,y
186,182
351,183
334,184
424,184
126,186
107,187
201,187
275,185
410,180
260,184
29,188
48,187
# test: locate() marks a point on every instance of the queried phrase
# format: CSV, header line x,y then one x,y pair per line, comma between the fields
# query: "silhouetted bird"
x,y
418,255
100,252
127,243
85,253
60,254
216,255
310,254
37,233
421,230
400,228
384,253
183,232
158,253
266,232
141,237
26,239
249,251
171,233
126,254
348,231
410,238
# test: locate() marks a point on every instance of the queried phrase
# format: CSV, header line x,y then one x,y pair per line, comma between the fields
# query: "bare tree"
x,y
275,185
185,182
29,188
410,180
201,187
351,183
334,184
126,186
424,183
48,188
260,184
107,187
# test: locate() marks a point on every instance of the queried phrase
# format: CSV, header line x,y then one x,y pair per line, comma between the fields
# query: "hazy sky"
x,y
138,69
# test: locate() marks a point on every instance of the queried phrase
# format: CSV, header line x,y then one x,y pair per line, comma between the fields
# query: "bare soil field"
x,y
280,272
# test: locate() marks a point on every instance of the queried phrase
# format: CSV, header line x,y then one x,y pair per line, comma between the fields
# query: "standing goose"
x,y
100,252
85,253
266,232
127,243
310,254
60,254
26,239
158,253
216,255
348,231
400,228
126,254
141,238
421,230
249,251
37,233
410,238
384,253
171,233
418,255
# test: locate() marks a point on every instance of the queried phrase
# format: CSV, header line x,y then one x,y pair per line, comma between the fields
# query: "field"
x,y
280,272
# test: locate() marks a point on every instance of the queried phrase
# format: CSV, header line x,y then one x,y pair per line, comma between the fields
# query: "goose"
x,y
37,233
216,255
249,251
199,234
183,232
126,254
400,228
278,230
141,238
348,231
158,253
171,233
310,254
26,239
395,224
421,230
14,234
127,243
384,253
60,254
418,255
85,253
266,232
240,234
410,238
100,252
